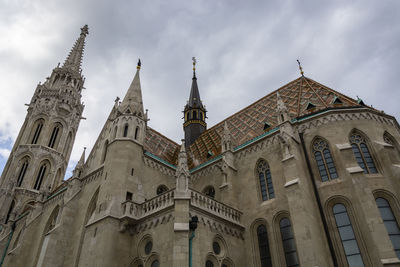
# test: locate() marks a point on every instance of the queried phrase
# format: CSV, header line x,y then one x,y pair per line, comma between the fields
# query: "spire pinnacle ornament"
x,y
300,68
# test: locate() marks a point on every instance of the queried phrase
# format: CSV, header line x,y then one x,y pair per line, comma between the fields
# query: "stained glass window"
x,y
323,157
362,154
266,186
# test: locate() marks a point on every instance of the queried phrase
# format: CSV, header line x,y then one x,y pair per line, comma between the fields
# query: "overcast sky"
x,y
245,49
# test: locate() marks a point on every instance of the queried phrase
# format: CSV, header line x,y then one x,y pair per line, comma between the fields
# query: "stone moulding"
x,y
92,176
157,165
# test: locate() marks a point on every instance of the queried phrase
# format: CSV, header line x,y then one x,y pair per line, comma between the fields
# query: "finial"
x,y
85,30
300,68
139,64
194,66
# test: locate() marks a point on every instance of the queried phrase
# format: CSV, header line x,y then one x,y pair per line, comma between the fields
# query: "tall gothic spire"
x,y
195,112
132,102
74,59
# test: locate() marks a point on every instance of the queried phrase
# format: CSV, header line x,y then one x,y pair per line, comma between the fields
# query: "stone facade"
x,y
299,178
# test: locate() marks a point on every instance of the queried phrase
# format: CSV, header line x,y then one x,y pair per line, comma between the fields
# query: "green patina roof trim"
x,y
206,163
56,193
159,159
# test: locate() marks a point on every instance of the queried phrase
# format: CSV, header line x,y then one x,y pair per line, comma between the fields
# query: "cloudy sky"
x,y
245,49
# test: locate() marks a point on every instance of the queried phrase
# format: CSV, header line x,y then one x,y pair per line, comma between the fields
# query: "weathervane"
x,y
194,66
139,64
300,68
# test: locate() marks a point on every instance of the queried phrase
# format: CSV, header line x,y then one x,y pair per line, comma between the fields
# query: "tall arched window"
x,y
126,127
51,223
347,236
263,245
289,245
390,222
362,154
264,176
37,130
40,176
22,171
323,157
54,138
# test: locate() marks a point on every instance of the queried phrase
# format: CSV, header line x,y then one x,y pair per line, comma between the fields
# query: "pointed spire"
x,y
74,59
81,161
133,98
194,98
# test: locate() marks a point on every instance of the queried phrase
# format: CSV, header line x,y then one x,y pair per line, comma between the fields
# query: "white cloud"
x,y
4,152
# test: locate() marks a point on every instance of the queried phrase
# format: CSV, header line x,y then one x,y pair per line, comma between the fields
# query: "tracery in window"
x,y
265,179
263,245
390,222
362,154
38,129
323,157
289,245
54,138
41,175
347,236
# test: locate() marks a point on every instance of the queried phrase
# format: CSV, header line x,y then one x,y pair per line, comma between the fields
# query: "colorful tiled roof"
x,y
301,97
160,146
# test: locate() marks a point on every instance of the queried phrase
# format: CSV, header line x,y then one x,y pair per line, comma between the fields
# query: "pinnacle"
x,y
133,98
74,59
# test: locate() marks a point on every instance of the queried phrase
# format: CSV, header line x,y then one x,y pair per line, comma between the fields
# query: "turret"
x,y
194,113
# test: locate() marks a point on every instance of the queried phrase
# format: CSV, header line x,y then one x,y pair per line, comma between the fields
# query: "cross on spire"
x,y
300,68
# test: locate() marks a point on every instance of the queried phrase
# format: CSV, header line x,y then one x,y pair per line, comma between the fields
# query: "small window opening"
x,y
267,126
282,118
337,101
40,176
132,170
161,189
310,106
136,133
129,196
126,130
195,115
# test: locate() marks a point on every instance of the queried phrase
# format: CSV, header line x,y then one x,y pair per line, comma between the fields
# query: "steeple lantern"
x,y
194,112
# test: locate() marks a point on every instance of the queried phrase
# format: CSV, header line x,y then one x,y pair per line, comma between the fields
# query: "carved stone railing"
x,y
33,147
214,207
137,211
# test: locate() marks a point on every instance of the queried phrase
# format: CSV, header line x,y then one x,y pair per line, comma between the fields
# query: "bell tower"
x,y
40,155
194,113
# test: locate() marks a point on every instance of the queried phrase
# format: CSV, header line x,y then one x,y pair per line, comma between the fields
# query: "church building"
x,y
304,176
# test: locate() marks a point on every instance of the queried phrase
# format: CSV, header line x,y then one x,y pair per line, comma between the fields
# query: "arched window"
x,y
263,245
264,176
136,133
161,189
126,127
209,191
209,263
37,130
388,138
51,223
390,222
54,138
323,157
362,154
22,171
105,148
40,176
347,236
155,263
289,245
